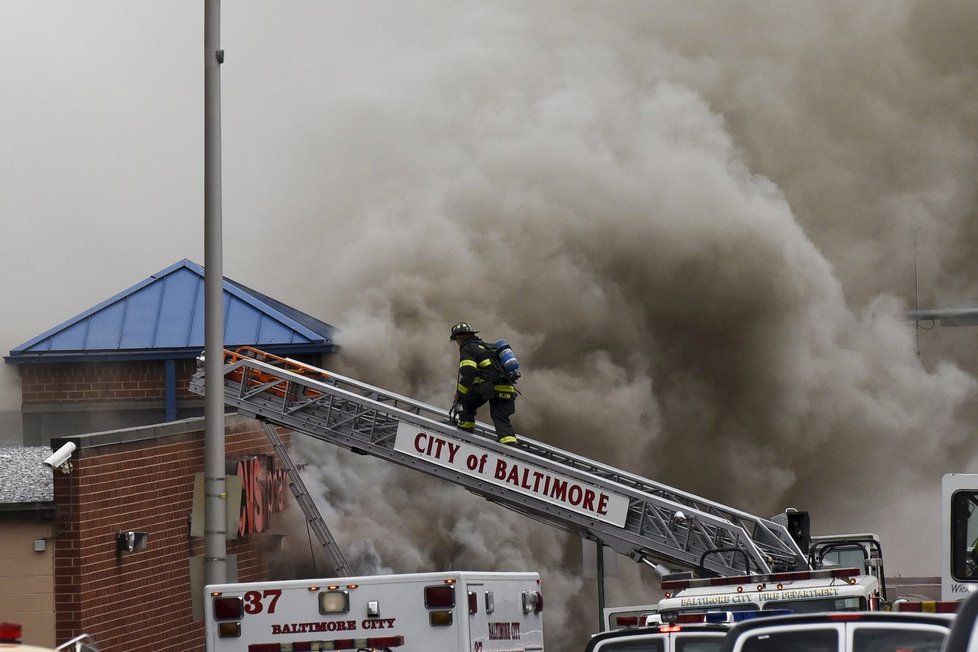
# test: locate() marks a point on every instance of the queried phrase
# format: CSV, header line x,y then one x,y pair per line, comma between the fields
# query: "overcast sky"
x,y
695,220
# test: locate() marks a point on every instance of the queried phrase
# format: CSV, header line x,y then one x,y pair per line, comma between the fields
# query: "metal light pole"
x,y
215,486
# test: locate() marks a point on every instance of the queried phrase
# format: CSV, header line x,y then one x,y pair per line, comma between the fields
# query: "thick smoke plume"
x,y
696,224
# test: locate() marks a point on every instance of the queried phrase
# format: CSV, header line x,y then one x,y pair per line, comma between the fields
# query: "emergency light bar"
x,y
725,617
732,617
762,580
691,617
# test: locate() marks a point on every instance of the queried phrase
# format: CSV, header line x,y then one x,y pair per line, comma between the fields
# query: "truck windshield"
x,y
844,556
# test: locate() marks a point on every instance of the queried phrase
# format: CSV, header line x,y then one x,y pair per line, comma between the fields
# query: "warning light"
x,y
440,618
334,602
439,596
229,630
228,608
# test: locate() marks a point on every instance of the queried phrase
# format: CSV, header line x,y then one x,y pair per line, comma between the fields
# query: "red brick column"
x,y
140,600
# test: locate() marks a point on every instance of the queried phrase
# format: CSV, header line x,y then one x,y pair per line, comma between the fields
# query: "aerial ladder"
x,y
650,522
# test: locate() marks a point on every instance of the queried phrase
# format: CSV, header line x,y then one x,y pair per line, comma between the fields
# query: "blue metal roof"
x,y
163,317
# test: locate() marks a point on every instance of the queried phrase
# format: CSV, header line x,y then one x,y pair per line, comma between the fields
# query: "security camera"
x,y
60,457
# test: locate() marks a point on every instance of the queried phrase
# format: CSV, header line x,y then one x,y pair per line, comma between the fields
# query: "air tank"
x,y
508,358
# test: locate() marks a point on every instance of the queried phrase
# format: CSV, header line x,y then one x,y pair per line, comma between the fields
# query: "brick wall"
x,y
140,600
102,381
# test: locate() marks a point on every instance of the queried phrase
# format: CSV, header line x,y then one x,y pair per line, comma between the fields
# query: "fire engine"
x,y
845,573
462,611
652,523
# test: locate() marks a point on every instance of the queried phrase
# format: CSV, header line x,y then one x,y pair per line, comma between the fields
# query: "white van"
x,y
844,631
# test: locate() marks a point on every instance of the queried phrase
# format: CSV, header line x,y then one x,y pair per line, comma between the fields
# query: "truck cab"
x,y
959,535
862,551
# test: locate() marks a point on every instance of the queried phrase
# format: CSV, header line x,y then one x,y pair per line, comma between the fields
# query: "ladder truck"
x,y
649,522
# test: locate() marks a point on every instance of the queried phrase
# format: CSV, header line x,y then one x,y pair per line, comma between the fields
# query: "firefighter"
x,y
480,379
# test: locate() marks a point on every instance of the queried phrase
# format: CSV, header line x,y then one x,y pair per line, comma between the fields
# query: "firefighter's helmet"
x,y
461,328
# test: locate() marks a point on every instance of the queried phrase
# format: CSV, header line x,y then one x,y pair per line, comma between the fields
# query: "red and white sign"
x,y
516,475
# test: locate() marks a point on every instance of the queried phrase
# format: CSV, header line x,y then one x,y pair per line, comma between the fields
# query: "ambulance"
x,y
456,611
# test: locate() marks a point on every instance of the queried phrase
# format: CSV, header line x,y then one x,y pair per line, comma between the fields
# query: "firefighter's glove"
x,y
454,412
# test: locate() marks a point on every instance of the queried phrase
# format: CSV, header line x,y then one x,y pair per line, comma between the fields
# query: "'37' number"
x,y
256,602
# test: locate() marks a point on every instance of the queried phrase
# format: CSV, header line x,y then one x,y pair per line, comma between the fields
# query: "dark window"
x,y
869,639
804,640
631,645
843,555
964,532
697,643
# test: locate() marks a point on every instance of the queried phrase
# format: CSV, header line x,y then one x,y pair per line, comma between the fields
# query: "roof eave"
x,y
48,357
35,511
